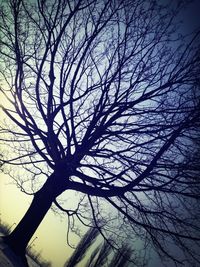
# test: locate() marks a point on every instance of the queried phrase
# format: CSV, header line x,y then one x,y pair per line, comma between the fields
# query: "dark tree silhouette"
x,y
99,99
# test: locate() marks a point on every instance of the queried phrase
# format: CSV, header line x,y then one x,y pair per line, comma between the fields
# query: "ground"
x,y
9,259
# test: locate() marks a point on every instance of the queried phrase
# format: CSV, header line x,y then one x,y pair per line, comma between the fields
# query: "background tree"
x,y
99,101
1,163
102,255
85,243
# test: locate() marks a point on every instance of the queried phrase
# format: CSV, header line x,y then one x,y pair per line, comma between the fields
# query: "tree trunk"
x,y
41,203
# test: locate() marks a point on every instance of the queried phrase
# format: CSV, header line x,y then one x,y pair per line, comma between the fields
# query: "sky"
x,y
50,238
191,17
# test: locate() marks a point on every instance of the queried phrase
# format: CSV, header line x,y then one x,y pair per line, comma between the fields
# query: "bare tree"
x,y
99,99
